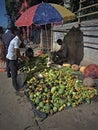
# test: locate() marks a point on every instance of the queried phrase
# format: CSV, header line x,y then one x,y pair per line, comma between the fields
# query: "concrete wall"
x,y
90,43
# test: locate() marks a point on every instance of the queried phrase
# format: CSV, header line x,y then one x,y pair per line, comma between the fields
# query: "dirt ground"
x,y
16,113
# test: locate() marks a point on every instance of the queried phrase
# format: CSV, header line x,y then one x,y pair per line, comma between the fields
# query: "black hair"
x,y
59,41
29,52
1,30
17,31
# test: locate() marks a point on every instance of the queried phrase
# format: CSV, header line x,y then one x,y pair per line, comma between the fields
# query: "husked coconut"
x,y
88,81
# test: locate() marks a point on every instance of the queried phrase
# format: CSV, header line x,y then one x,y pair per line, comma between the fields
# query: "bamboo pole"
x,y
88,14
81,1
79,19
87,7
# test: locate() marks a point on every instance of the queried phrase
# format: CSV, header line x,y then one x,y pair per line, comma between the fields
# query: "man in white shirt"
x,y
12,57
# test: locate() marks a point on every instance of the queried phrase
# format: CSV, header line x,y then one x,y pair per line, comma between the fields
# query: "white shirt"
x,y
14,44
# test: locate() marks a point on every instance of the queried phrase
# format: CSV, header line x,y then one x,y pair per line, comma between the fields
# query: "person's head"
x,y
59,41
18,33
9,27
29,52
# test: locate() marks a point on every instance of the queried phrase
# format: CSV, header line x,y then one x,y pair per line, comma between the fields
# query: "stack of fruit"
x,y
51,89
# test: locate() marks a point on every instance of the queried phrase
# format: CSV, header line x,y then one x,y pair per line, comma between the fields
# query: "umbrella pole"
x,y
51,37
41,43
46,38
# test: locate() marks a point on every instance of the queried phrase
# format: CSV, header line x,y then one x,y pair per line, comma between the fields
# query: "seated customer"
x,y
60,56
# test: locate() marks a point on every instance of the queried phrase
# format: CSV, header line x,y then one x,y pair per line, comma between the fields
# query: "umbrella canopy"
x,y
44,13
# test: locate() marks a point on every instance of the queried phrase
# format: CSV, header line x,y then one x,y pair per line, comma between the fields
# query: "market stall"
x,y
51,88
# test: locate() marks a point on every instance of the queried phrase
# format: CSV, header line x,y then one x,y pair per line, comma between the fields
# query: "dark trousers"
x,y
13,68
8,68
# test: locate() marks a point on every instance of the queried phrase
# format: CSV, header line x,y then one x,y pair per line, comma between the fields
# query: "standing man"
x,y
1,32
6,38
2,59
12,57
